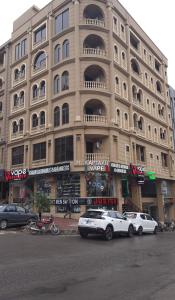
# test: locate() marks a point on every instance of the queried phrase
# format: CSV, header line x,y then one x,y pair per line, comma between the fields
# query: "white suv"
x,y
105,222
142,222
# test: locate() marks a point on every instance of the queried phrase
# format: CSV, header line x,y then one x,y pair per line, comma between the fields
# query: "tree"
x,y
42,203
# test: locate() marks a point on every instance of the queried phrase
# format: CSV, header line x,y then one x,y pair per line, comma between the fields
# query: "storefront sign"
x,y
136,170
50,169
119,168
151,175
96,166
88,201
16,174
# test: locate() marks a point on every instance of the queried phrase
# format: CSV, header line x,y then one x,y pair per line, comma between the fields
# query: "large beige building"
x,y
88,110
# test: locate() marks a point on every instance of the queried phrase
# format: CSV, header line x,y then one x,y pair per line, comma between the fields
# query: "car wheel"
x,y
140,231
30,221
108,235
130,231
3,224
83,234
155,230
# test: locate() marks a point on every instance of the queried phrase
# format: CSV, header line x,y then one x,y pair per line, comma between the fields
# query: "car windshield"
x,y
1,208
92,214
130,215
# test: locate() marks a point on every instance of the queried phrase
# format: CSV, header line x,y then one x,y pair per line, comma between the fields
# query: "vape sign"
x,y
16,174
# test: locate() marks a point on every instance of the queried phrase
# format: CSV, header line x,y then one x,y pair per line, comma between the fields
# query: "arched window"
x,y
115,52
141,123
21,125
117,85
65,113
1,83
35,91
65,81
21,97
34,120
139,96
42,88
123,55
56,116
0,106
135,66
135,119
15,127
15,100
22,71
40,61
65,49
158,86
16,74
134,92
56,84
42,118
57,53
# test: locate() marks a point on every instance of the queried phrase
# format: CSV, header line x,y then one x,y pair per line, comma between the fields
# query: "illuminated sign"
x,y
50,169
16,174
97,166
119,168
136,170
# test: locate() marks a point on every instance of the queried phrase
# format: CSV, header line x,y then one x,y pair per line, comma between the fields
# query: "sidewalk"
x,y
67,226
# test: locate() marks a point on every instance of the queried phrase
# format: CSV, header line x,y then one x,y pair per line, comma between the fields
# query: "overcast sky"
x,y
154,16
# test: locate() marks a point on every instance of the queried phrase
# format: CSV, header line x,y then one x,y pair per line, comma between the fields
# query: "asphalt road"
x,y
68,267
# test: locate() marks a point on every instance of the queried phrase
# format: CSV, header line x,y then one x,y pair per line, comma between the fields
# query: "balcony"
x,y
16,135
96,156
95,119
94,51
95,22
94,85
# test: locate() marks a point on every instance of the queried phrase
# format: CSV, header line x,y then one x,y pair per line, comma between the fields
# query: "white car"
x,y
105,222
142,222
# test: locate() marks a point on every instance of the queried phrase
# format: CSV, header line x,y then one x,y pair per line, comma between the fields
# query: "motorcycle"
x,y
44,226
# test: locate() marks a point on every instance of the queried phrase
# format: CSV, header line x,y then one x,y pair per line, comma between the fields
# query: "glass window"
x,y
35,91
99,184
57,54
112,214
17,51
40,34
119,215
42,88
23,47
56,84
65,49
18,155
148,217
65,113
20,209
21,125
42,118
34,120
62,21
65,81
39,151
56,116
64,149
10,208
15,127
92,214
40,61
143,217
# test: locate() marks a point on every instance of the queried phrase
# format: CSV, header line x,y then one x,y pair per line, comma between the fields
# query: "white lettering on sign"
x,y
96,162
48,170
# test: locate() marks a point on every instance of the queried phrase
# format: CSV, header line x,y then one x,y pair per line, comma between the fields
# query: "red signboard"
x,y
16,174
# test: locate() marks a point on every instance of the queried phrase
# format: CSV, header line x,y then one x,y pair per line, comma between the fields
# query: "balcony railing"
x,y
94,51
94,85
96,156
17,134
95,119
96,22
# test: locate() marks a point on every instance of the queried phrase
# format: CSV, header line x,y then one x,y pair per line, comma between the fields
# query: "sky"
x,y
154,16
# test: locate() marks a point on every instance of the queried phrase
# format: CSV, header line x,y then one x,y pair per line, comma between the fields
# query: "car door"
x,y
150,223
114,220
122,221
10,214
21,215
144,222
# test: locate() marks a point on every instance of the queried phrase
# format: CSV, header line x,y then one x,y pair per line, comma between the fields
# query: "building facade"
x,y
89,116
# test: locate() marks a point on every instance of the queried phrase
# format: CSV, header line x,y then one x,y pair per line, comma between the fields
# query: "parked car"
x,y
104,222
142,222
12,214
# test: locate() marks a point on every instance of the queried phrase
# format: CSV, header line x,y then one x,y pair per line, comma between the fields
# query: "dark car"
x,y
11,214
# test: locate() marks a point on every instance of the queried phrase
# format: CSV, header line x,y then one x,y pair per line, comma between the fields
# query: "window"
x,y
21,49
164,159
158,87
40,61
56,84
56,116
134,41
40,34
42,118
22,71
1,83
140,152
0,106
57,54
122,28
62,21
18,155
15,127
42,88
39,151
35,91
21,98
64,149
65,113
157,65
65,49
135,66
16,73
34,120
21,125
127,148
65,81
15,100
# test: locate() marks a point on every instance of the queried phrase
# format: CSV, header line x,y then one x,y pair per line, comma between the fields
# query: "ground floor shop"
x,y
99,184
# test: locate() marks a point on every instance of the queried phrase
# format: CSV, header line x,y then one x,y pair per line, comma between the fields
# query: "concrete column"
x,y
118,186
83,192
160,202
136,194
49,82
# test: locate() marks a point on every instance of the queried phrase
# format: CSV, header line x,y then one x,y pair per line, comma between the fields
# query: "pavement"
x,y
67,226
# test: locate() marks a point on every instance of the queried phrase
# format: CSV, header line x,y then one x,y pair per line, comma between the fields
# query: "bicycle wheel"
x,y
55,229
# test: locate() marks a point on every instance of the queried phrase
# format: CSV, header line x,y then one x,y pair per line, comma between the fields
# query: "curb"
x,y
68,232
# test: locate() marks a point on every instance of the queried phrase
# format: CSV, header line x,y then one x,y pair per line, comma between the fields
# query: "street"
x,y
46,267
